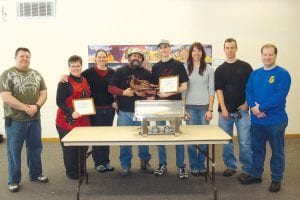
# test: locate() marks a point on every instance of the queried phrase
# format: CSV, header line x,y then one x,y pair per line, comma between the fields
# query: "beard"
x,y
135,64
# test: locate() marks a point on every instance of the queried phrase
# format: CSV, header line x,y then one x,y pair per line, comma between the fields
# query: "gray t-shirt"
x,y
200,87
24,86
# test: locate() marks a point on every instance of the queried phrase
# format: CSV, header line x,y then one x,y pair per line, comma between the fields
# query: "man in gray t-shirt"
x,y
23,92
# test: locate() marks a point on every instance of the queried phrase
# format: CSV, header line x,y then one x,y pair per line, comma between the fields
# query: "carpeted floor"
x,y
140,186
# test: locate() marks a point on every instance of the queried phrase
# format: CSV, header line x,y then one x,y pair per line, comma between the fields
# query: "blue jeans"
x,y
18,132
103,117
126,119
243,132
196,158
162,154
260,134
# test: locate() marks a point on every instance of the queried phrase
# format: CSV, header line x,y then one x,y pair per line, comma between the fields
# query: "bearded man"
x,y
126,97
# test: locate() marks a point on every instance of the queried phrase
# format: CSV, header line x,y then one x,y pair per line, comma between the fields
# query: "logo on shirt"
x,y
272,79
21,83
166,72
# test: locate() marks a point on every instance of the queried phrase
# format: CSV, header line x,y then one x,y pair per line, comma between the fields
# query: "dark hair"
x,y
73,59
100,50
190,61
230,40
22,49
269,45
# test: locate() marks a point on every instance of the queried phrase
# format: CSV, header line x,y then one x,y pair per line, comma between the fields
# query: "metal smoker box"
x,y
159,110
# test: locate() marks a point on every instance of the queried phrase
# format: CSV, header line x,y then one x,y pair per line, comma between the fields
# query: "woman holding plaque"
x,y
77,87
99,77
199,101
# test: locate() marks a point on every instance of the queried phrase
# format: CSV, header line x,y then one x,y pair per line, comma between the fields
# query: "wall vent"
x,y
36,9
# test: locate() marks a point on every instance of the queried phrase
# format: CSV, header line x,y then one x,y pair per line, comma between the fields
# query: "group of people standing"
x,y
238,88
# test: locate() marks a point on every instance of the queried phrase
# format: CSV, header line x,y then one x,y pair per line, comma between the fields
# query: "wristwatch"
x,y
38,106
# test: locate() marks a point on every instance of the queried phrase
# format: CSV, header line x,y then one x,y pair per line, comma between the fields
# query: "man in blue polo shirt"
x,y
266,93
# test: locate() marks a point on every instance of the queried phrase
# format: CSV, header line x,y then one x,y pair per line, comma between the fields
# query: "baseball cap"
x,y
163,41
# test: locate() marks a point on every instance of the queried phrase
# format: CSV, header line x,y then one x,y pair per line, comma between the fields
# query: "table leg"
x,y
86,174
214,173
82,156
207,163
210,161
80,178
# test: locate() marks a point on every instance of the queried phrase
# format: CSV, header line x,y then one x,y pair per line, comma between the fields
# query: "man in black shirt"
x,y
170,67
230,84
126,97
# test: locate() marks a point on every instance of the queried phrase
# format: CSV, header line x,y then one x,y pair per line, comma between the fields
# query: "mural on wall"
x,y
118,54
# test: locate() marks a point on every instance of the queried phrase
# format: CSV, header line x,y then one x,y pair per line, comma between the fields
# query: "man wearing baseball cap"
x,y
164,68
164,42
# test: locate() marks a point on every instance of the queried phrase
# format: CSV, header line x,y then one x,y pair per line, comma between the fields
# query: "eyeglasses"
x,y
73,66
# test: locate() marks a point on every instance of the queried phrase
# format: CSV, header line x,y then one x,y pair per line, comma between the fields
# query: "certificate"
x,y
169,84
84,106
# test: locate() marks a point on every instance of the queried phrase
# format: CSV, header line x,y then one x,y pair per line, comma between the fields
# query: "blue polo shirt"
x,y
269,89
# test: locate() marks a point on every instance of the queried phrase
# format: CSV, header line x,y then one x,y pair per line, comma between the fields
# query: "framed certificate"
x,y
169,84
84,106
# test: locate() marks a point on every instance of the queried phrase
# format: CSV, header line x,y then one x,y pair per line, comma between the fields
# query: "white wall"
x,y
83,22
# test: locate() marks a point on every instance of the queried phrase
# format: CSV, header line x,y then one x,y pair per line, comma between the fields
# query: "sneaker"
x,y
41,179
105,168
242,176
275,186
182,173
202,173
195,172
124,171
146,167
248,179
109,168
229,172
13,187
101,169
160,170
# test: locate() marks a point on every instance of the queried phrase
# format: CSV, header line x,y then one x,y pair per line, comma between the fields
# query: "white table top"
x,y
129,135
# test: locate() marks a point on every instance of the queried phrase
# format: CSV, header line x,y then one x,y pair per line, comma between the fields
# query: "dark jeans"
x,y
103,117
70,155
260,135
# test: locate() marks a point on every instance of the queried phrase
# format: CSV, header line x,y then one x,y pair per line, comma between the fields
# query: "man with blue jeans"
x,y
126,97
23,92
162,157
170,67
230,83
266,93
